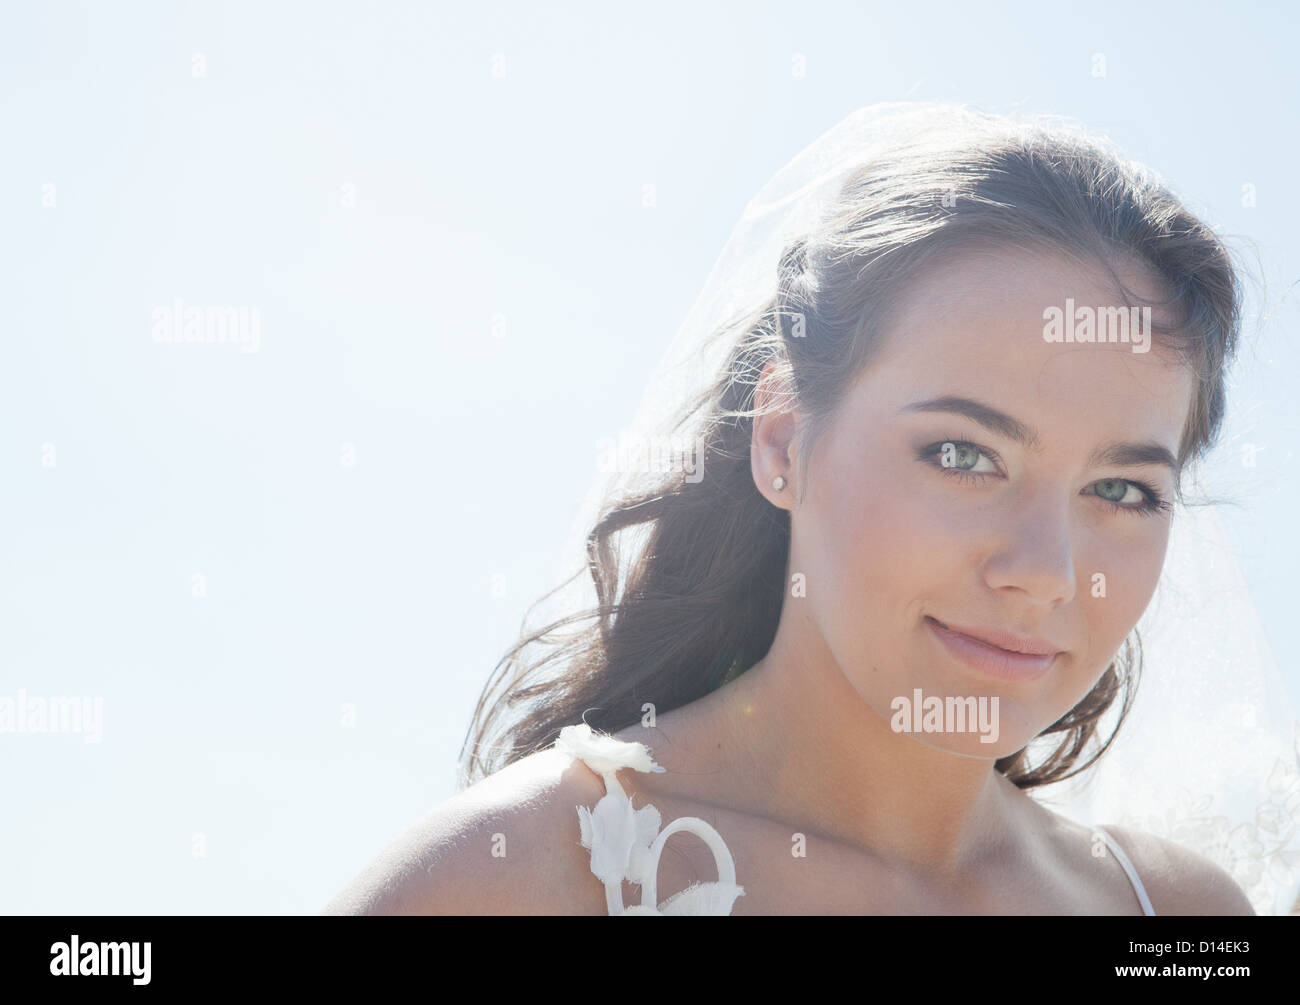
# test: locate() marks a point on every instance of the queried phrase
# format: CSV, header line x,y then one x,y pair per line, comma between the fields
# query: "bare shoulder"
x,y
1178,880
508,845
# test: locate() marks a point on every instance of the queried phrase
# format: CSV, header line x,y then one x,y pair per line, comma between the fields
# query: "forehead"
x,y
972,323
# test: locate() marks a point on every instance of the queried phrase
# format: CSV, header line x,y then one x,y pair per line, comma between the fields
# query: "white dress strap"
x,y
1129,870
626,844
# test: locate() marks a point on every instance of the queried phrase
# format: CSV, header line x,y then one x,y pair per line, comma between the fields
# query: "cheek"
x,y
1117,575
879,548
901,542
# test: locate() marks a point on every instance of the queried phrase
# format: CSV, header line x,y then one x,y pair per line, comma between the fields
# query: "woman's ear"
x,y
773,450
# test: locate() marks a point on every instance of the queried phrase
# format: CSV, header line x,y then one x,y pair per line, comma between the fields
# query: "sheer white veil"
x,y
1210,753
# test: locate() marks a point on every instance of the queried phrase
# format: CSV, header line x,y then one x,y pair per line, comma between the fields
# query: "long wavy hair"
x,y
697,598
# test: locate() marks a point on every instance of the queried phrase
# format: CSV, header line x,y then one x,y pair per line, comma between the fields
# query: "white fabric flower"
x,y
619,837
605,754
625,844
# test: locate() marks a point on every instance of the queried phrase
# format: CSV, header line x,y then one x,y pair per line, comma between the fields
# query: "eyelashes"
x,y
1153,501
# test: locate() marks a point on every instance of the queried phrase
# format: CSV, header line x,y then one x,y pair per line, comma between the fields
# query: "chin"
x,y
967,745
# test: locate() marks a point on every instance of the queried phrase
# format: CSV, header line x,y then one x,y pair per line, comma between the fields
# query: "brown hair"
x,y
701,592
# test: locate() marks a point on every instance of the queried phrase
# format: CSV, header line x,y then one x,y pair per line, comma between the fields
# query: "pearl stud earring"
x,y
778,483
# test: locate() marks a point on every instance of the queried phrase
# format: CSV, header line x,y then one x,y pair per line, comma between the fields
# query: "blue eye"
x,y
965,457
962,459
972,463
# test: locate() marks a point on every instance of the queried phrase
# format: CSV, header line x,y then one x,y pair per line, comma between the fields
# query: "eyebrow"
x,y
1116,454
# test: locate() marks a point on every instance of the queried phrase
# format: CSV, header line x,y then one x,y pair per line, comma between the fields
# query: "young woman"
x,y
938,456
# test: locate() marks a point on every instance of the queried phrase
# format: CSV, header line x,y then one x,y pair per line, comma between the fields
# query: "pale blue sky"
x,y
360,174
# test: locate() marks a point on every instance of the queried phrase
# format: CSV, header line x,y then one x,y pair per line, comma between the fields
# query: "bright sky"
x,y
436,210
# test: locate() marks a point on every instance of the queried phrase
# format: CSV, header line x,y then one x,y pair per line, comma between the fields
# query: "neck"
x,y
795,742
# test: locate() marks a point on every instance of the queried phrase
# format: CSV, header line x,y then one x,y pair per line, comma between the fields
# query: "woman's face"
x,y
982,478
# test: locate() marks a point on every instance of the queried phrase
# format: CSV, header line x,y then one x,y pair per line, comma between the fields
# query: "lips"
x,y
996,637
987,651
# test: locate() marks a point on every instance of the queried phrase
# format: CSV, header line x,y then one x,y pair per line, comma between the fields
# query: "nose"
x,y
1035,552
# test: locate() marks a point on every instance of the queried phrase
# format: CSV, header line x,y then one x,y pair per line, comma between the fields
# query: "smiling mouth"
x,y
1003,641
994,660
